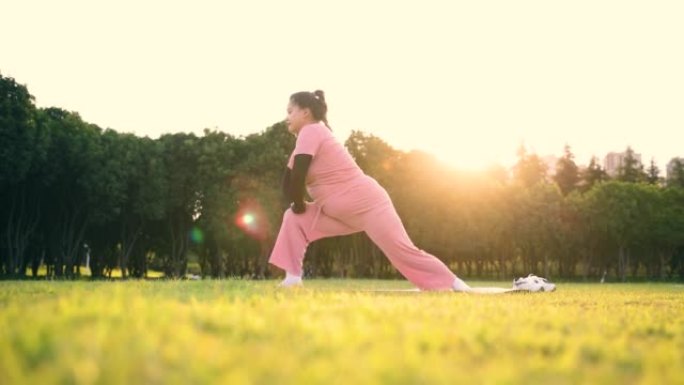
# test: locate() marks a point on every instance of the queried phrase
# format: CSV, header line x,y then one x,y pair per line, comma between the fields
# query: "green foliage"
x,y
530,169
23,153
592,175
74,194
676,179
336,332
653,173
18,132
567,173
631,169
73,154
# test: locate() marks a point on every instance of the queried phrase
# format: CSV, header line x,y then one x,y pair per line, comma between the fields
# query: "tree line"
x,y
74,194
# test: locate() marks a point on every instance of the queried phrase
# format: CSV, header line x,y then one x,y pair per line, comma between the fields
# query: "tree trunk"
x,y
176,262
546,265
622,264
22,221
72,240
661,265
130,233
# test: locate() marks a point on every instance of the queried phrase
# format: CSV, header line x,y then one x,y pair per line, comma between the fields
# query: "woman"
x,y
345,201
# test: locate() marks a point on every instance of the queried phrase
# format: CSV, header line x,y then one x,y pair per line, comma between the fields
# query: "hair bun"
x,y
320,95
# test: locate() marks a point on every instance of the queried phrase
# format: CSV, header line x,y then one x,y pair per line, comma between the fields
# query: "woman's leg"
x,y
298,230
369,207
385,229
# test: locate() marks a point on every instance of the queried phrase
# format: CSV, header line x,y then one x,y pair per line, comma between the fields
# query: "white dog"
x,y
533,283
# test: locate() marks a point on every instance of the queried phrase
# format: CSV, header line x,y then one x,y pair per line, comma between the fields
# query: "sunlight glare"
x,y
248,219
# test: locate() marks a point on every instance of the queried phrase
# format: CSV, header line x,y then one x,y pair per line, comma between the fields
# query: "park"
x,y
123,309
312,192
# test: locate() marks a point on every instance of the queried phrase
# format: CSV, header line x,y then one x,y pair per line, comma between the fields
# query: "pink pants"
x,y
364,206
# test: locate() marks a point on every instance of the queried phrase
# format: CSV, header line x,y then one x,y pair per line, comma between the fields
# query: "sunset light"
x,y
360,192
466,81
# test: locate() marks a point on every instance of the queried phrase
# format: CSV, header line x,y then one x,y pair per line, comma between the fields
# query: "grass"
x,y
85,272
335,332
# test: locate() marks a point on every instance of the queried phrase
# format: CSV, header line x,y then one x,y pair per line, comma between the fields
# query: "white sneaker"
x,y
459,285
291,281
533,283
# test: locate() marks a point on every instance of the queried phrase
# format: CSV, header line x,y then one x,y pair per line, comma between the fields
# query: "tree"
x,y
22,155
217,164
617,212
72,193
537,215
258,196
592,175
181,203
530,169
567,173
662,232
17,132
670,233
653,173
374,156
107,185
675,177
631,170
129,183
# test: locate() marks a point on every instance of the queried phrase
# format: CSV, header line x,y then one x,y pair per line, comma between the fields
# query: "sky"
x,y
468,81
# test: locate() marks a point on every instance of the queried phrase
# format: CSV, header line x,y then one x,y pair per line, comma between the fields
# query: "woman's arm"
x,y
298,180
285,186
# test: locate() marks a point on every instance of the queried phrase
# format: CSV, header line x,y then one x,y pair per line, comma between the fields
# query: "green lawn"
x,y
335,332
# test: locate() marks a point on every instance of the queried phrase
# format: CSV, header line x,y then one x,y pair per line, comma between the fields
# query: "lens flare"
x,y
252,220
196,235
248,219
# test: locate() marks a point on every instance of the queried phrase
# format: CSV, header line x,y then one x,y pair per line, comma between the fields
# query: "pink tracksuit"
x,y
347,201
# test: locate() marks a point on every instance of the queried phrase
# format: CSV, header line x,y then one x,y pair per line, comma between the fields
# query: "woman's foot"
x,y
291,280
460,286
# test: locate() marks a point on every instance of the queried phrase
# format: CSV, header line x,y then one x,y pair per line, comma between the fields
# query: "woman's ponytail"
x,y
314,101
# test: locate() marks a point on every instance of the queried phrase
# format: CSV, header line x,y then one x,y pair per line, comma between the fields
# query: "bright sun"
x,y
473,156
